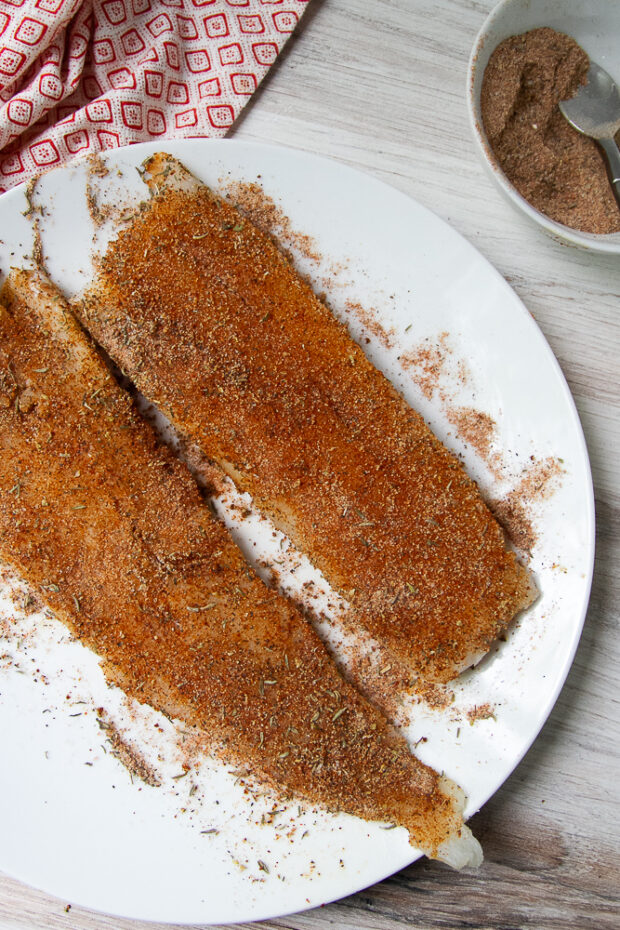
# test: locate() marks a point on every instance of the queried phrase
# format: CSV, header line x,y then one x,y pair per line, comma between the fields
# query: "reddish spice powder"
x,y
264,212
481,712
538,480
557,170
474,427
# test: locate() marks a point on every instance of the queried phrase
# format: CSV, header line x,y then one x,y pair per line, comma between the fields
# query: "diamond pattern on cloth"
x,y
81,76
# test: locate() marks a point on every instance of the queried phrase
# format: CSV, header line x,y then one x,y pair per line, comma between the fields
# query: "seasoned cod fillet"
x,y
214,326
111,531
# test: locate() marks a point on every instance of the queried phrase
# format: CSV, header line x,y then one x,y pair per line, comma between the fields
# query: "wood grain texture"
x,y
380,85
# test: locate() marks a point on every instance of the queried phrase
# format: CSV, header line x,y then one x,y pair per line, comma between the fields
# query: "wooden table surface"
x,y
380,85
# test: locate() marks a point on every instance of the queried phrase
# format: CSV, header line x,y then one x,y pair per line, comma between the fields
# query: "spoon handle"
x,y
613,157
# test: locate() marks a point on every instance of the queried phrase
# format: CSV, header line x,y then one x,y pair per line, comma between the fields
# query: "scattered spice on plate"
x,y
263,212
425,364
476,428
514,511
481,712
559,171
126,752
370,320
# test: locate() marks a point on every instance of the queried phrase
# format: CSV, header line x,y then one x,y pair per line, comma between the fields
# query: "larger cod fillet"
x,y
212,323
111,531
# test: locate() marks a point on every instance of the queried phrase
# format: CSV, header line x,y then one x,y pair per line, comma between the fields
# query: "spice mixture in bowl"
x,y
529,55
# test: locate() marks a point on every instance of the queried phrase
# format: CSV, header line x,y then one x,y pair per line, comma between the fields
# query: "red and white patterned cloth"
x,y
81,76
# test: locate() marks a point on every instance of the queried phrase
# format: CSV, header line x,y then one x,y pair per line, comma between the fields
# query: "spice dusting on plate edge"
x,y
126,751
537,481
252,200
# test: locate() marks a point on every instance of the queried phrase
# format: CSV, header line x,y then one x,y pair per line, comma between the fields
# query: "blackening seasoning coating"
x,y
213,324
130,558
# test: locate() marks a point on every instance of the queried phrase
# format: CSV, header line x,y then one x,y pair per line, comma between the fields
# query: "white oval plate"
x,y
73,821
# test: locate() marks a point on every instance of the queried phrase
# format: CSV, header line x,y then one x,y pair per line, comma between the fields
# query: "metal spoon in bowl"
x,y
595,111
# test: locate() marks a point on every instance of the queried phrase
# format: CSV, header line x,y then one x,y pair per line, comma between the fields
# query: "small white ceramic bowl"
x,y
595,25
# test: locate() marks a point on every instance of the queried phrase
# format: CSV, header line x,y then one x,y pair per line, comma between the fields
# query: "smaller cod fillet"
x,y
212,323
111,531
